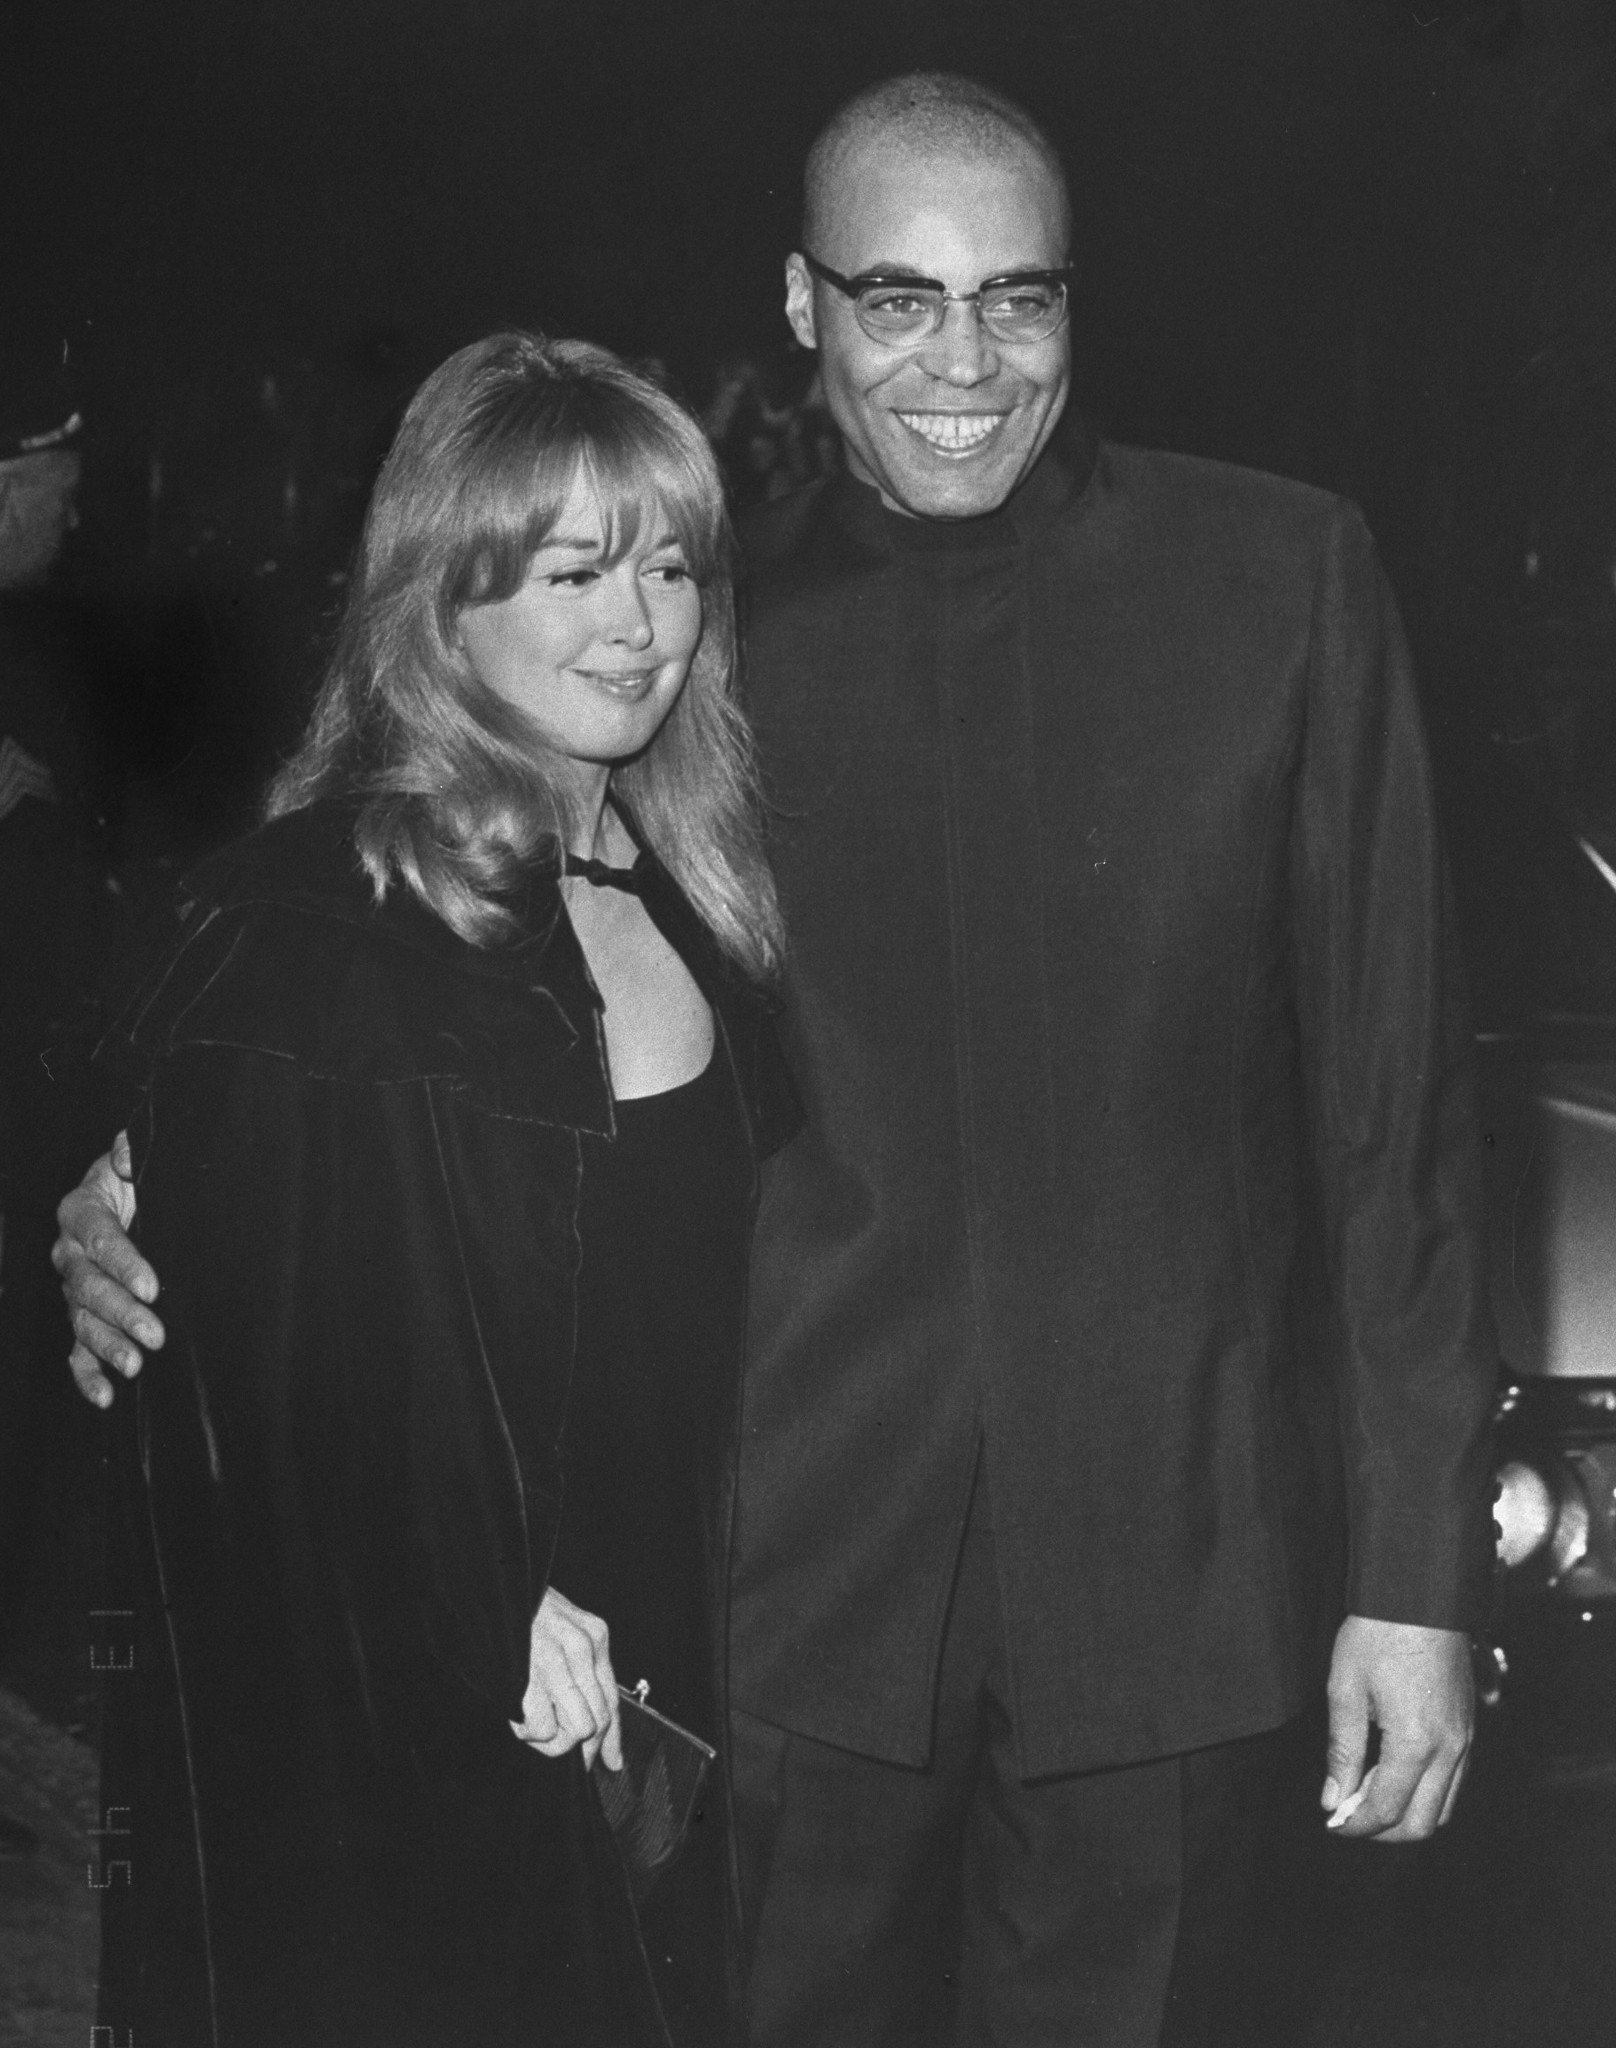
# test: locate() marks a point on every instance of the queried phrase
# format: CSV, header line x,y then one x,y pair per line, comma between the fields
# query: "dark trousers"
x,y
889,1906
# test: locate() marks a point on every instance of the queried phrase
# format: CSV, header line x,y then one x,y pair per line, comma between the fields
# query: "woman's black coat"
x,y
358,1163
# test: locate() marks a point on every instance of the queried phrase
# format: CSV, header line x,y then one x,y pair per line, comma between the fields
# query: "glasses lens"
x,y
1024,312
898,312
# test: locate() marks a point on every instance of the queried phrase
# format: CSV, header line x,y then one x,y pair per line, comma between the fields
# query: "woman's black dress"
x,y
664,1224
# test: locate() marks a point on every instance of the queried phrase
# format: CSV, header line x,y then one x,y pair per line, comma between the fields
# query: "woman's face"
x,y
595,655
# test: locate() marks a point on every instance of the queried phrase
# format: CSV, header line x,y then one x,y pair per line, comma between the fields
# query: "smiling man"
x,y
1118,1340
943,411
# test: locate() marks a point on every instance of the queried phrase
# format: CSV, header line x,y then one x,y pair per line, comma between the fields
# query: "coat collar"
x,y
285,951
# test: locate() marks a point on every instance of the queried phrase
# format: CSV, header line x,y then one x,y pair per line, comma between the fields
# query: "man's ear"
x,y
800,301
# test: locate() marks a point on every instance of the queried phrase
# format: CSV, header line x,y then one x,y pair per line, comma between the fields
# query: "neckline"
x,y
634,1102
1057,480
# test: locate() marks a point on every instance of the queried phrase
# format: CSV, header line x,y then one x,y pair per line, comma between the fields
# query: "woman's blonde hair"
x,y
455,793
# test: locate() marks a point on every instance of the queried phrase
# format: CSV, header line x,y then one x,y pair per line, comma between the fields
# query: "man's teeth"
x,y
952,431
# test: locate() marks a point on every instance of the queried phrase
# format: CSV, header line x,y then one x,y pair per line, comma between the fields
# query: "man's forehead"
x,y
887,202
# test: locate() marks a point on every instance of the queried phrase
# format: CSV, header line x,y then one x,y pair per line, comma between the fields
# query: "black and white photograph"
x,y
808,1024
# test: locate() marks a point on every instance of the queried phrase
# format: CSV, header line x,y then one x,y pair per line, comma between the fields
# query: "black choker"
x,y
601,875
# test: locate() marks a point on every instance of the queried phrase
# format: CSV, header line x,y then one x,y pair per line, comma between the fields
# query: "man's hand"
x,y
1415,1685
571,1693
104,1278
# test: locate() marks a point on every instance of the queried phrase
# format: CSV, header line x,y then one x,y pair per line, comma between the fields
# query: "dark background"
x,y
1363,242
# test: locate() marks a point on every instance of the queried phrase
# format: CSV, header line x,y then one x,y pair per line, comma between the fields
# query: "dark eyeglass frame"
x,y
866,280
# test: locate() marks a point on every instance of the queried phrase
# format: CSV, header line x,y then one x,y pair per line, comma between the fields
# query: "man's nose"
x,y
962,350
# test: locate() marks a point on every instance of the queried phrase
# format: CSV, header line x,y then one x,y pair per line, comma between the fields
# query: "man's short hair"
x,y
926,111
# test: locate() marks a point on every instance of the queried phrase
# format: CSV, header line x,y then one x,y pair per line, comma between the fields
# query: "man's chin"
x,y
944,490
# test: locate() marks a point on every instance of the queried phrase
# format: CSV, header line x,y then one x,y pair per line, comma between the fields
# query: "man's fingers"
x,y
106,1319
90,1380
1409,1795
109,1252
1348,1747
117,1258
110,1180
1414,1819
96,1294
1388,1788
1454,1783
1415,1683
1432,1794
102,1341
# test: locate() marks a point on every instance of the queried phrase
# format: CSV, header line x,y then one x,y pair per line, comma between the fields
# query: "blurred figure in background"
x,y
768,442
54,910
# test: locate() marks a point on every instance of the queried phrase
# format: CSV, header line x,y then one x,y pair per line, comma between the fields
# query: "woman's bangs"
x,y
649,490
647,485
517,507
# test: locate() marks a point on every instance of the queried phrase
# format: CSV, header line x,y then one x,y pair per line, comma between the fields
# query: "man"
x,y
1135,1224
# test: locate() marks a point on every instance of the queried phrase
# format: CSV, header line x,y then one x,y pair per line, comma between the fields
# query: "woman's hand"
x,y
571,1693
105,1280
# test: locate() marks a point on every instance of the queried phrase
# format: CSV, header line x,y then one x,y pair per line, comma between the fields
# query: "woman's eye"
x,y
572,579
671,572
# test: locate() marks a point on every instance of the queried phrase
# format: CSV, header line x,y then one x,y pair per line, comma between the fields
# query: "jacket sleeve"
x,y
330,1472
1388,1054
368,1285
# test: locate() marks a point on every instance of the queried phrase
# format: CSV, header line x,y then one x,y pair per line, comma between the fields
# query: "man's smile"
x,y
954,433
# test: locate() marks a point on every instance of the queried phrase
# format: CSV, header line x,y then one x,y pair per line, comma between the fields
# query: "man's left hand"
x,y
1415,1685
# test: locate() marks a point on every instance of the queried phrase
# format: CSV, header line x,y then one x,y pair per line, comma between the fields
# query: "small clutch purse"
x,y
649,1803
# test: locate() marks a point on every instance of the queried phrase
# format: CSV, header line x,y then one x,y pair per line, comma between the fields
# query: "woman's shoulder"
x,y
305,859
284,949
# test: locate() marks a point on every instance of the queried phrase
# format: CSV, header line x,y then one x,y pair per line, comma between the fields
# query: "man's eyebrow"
x,y
884,269
912,270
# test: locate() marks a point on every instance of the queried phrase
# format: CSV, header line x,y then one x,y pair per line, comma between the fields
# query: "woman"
x,y
447,1157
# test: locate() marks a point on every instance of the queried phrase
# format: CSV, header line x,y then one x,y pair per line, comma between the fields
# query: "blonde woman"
x,y
446,1110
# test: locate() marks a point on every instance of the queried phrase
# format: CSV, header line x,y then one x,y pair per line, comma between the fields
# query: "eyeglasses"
x,y
1023,305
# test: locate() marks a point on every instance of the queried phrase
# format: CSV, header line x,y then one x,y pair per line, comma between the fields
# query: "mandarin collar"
x,y
1057,480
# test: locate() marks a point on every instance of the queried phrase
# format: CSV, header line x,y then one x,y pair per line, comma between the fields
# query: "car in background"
x,y
1548,1095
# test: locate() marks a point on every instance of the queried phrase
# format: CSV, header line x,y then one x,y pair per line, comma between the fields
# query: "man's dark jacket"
x,y
358,1163
1140,1145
